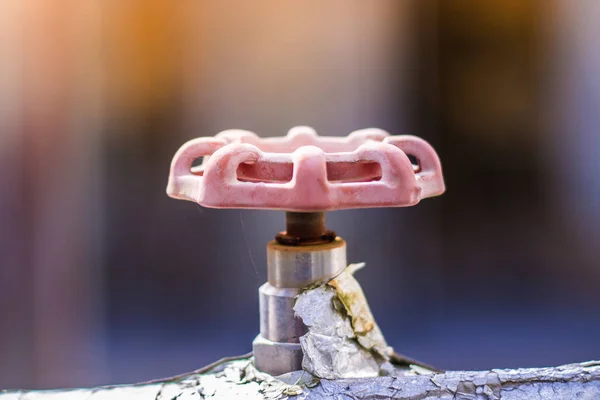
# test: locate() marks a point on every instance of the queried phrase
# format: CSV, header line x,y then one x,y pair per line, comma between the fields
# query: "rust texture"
x,y
305,229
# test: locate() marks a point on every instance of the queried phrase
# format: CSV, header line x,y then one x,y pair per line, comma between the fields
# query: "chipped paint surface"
x,y
239,379
343,340
350,294
227,380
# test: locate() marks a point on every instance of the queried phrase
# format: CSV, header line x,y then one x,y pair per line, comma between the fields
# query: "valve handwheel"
x,y
305,172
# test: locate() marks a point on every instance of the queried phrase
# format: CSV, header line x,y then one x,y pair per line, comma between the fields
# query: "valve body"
x,y
290,269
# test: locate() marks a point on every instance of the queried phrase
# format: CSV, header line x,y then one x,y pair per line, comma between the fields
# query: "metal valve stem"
x,y
292,267
305,228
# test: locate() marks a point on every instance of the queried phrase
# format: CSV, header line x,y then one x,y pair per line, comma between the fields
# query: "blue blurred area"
x,y
104,279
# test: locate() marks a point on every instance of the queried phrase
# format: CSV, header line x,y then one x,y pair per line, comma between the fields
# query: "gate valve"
x,y
305,175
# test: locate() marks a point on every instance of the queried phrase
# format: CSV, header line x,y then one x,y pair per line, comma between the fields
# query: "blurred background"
x,y
104,279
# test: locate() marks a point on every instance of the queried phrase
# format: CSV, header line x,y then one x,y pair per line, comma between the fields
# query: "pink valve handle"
x,y
306,172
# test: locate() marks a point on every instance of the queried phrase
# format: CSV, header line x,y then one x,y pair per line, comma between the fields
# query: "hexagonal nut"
x,y
278,322
276,358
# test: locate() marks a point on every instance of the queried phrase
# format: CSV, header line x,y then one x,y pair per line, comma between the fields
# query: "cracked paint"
x,y
343,340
